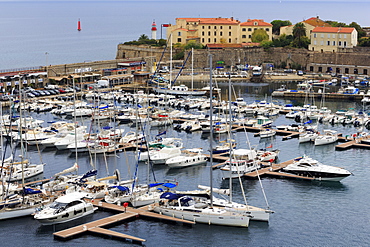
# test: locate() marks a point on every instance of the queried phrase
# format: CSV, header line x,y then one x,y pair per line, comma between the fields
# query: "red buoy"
x,y
79,25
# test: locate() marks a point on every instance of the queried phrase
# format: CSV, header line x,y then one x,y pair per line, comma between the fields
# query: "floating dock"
x,y
99,226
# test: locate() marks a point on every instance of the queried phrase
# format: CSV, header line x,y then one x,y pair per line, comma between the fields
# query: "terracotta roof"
x,y
316,22
333,29
183,29
224,46
217,21
250,22
250,44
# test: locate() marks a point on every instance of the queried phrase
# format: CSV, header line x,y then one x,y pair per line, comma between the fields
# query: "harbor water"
x,y
307,213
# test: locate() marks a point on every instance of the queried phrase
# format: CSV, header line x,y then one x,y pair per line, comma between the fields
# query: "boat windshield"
x,y
57,205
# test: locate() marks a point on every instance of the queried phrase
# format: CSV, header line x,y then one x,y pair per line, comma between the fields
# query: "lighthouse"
x,y
154,30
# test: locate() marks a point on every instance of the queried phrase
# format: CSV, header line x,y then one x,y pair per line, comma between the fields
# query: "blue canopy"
x,y
155,184
29,191
169,185
89,174
171,196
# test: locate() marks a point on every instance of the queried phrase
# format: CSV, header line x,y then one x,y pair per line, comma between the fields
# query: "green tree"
x,y
336,24
360,32
299,35
259,35
299,30
193,44
277,24
143,37
302,42
364,42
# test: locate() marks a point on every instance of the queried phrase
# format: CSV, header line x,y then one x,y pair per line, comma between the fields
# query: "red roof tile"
x,y
250,22
333,29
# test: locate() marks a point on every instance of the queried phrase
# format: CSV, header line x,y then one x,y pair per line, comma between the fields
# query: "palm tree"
x,y
299,31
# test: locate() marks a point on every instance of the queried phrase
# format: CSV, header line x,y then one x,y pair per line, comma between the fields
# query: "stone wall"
x,y
359,56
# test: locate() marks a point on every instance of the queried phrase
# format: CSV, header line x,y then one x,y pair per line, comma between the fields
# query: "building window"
x,y
220,33
355,71
339,43
255,29
320,69
220,27
202,40
244,29
255,23
333,43
344,43
229,33
209,40
179,40
250,36
311,68
229,40
339,35
215,27
229,27
209,27
365,72
333,35
314,42
202,27
314,35
321,42
178,33
322,35
345,36
209,33
215,33
244,36
215,40
328,42
267,29
249,29
203,33
328,35
346,70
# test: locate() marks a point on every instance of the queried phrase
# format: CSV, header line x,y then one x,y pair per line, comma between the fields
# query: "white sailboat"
x,y
193,208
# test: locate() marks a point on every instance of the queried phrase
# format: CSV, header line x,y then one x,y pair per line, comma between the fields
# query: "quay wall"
x,y
358,56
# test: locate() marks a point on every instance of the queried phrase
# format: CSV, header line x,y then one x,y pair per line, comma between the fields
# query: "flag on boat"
x,y
269,146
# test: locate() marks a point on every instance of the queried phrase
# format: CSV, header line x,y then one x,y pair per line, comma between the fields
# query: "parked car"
x,y
61,90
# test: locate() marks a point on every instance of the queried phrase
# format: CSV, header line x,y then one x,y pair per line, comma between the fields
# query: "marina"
x,y
289,207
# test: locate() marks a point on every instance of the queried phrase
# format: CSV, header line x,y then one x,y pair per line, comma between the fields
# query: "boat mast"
x,y
170,86
211,127
231,149
192,68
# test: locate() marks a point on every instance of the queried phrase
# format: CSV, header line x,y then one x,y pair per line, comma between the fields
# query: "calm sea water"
x,y
306,213
30,29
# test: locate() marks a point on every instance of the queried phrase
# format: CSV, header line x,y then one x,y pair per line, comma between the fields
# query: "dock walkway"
x,y
97,226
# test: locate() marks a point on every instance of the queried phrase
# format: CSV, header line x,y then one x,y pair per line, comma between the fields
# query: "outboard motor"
x,y
188,128
297,118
